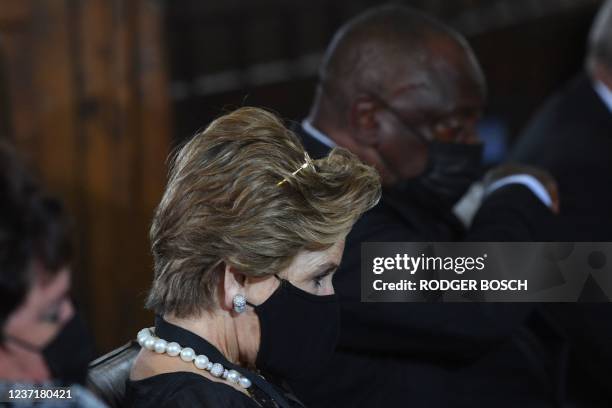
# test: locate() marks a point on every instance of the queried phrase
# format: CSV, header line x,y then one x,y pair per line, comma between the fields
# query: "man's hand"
x,y
543,176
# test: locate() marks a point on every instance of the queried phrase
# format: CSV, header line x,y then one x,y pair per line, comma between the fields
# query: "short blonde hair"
x,y
223,204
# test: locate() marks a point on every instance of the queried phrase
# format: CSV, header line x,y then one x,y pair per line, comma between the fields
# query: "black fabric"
x,y
293,347
186,389
571,136
429,355
70,352
451,169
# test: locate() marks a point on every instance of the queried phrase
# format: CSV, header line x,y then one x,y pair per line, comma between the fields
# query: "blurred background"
x,y
95,94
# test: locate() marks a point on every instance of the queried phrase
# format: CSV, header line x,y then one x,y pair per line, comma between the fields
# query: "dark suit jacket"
x,y
430,355
571,136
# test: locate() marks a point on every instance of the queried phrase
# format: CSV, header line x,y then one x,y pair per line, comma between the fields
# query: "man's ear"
x,y
232,285
363,120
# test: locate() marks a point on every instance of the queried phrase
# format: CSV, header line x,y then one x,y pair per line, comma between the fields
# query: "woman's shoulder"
x,y
184,389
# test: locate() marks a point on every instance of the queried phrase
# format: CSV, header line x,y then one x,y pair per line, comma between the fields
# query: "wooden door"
x,y
88,106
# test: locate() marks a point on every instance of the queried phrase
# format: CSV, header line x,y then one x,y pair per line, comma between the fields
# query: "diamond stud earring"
x,y
239,303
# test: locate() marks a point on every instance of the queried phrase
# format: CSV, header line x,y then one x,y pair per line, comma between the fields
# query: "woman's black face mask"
x,y
299,332
68,354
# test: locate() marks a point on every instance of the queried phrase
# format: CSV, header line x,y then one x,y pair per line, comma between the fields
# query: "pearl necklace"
x,y
148,340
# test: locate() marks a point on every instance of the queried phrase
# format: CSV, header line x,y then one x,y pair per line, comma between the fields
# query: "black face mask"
x,y
68,354
299,332
451,169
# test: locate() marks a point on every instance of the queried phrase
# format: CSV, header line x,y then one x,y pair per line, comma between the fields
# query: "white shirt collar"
x,y
317,134
604,93
527,180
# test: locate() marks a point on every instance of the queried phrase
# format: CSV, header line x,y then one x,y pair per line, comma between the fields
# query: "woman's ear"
x,y
233,284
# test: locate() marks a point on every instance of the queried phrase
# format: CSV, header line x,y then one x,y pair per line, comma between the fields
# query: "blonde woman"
x,y
245,240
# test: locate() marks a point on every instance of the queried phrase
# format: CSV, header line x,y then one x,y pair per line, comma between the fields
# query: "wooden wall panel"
x,y
89,107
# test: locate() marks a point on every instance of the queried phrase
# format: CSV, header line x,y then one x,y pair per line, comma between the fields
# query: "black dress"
x,y
188,389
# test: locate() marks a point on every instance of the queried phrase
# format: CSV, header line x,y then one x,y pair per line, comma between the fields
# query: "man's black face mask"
x,y
451,167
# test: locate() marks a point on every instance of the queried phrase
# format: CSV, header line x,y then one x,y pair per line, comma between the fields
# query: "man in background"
x,y
404,92
571,136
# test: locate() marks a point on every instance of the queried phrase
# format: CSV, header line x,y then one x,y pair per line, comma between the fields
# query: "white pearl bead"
x,y
201,361
187,354
217,370
148,340
149,343
141,340
142,335
160,346
233,376
173,349
244,382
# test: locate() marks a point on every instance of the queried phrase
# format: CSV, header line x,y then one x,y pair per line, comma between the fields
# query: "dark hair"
x,y
33,226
